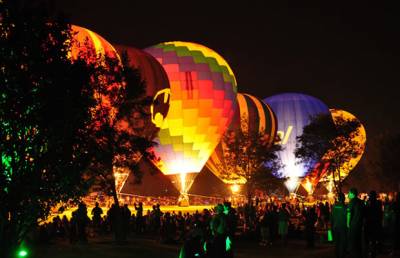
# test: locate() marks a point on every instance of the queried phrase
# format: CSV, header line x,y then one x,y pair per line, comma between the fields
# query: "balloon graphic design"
x,y
293,112
156,80
202,102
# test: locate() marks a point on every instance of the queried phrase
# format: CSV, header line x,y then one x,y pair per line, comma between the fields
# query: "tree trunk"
x,y
114,193
339,182
249,194
335,183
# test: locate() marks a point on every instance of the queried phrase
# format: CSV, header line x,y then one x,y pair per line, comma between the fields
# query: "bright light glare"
x,y
22,253
183,182
308,186
292,183
235,188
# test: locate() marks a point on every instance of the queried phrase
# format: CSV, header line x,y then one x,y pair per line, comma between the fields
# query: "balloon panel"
x,y
293,112
360,137
156,80
202,102
252,116
85,40
319,174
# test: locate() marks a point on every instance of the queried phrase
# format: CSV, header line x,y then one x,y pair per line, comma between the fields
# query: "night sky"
x,y
346,56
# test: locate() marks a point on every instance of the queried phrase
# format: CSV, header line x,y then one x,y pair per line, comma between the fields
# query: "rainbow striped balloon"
x,y
251,116
202,102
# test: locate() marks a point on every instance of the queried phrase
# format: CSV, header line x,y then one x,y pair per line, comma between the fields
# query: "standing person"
x,y
218,227
82,220
373,224
311,219
283,223
139,218
355,218
339,226
396,240
264,227
126,217
96,216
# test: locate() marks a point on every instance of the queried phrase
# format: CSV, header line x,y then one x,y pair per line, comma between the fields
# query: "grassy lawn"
x,y
144,248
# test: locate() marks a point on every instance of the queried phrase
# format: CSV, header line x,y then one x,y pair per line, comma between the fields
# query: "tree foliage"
x,y
45,118
383,164
249,156
60,119
120,97
332,143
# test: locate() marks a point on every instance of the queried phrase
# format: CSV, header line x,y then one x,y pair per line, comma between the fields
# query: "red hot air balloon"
x,y
157,88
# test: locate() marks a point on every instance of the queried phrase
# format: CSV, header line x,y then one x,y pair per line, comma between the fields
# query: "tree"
x,y
120,97
59,118
45,119
249,156
383,162
332,143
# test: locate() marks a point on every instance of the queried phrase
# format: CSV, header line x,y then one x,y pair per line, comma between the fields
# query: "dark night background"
x,y
346,56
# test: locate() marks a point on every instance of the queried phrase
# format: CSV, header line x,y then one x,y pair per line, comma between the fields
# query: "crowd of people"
x,y
361,228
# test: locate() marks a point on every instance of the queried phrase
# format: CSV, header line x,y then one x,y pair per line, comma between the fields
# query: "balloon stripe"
x,y
261,113
243,112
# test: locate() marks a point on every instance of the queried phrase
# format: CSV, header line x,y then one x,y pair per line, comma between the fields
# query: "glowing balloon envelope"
x,y
87,41
95,48
202,102
157,87
293,112
251,116
319,174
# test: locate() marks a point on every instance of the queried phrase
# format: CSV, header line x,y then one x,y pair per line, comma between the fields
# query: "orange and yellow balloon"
x,y
91,44
319,174
202,103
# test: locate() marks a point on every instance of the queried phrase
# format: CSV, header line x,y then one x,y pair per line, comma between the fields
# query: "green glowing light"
x,y
228,244
205,246
330,237
181,253
22,253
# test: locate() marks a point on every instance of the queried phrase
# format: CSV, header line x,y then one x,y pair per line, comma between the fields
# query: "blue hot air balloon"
x,y
293,111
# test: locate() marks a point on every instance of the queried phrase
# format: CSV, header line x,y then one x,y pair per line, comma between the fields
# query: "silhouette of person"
x,y
373,223
339,226
311,218
82,221
96,213
139,218
355,216
283,223
218,227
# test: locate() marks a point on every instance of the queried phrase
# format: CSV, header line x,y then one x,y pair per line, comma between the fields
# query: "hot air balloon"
x,y
157,88
94,48
202,103
293,112
320,173
91,44
251,116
